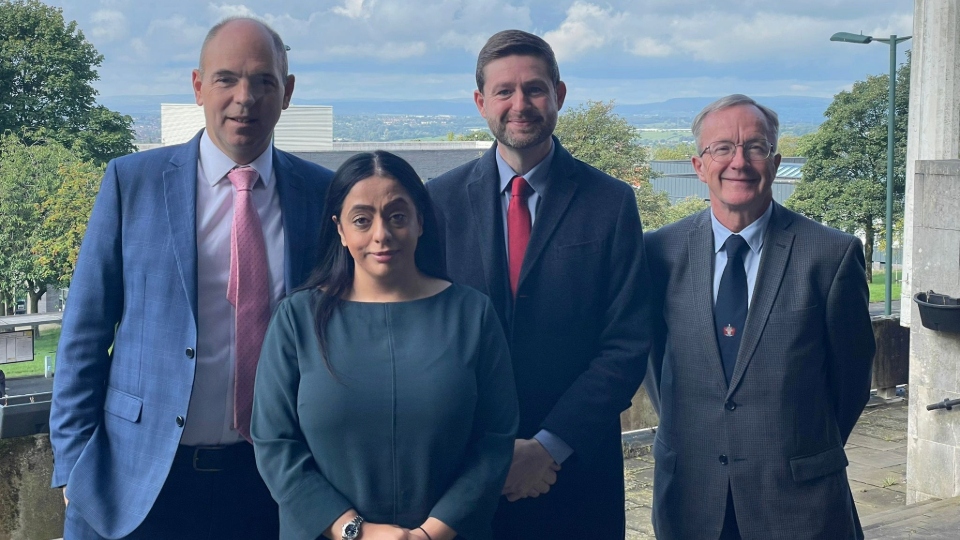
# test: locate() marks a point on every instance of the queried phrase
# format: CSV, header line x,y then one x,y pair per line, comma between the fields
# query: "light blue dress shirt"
x,y
753,234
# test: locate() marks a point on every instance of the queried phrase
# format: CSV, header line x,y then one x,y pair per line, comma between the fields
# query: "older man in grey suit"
x,y
763,352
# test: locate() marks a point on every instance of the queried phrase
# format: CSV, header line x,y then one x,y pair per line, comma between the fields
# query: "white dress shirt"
x,y
209,419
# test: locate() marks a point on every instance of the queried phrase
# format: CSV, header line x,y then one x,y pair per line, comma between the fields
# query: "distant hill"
x,y
798,114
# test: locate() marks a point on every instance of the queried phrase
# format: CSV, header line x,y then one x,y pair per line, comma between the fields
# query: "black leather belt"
x,y
215,458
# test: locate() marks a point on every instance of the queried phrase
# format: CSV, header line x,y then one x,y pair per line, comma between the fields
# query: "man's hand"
x,y
66,501
532,471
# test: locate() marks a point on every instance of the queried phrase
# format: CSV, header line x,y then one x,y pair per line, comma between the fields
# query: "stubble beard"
x,y
542,131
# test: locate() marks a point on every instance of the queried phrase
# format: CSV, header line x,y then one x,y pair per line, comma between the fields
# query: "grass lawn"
x,y
45,345
878,289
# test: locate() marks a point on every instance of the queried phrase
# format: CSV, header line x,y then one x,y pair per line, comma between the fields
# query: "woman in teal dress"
x,y
384,404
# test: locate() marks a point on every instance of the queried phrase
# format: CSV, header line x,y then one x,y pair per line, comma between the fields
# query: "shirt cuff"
x,y
554,446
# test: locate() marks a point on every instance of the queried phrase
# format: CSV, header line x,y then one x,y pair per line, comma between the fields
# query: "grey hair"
x,y
733,100
278,46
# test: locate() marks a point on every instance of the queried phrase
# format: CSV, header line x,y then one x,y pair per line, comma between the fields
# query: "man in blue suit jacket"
x,y
142,415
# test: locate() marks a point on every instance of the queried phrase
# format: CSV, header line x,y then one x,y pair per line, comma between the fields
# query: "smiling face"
x,y
740,189
241,89
380,226
520,102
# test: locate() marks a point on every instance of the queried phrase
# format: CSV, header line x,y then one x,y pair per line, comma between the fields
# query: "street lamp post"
x,y
847,37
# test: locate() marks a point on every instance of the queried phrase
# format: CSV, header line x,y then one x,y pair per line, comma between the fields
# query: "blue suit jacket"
x,y
125,364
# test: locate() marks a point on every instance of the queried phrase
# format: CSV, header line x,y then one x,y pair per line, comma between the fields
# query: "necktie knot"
x,y
243,178
735,245
519,188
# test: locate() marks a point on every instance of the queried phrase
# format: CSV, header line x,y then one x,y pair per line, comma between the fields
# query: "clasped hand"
x,y
532,471
379,531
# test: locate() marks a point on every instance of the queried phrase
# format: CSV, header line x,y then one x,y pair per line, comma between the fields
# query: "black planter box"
x,y
938,311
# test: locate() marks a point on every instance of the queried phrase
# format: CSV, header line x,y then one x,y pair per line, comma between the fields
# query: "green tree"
x,y
844,179
47,68
477,135
790,145
685,207
679,151
595,134
46,193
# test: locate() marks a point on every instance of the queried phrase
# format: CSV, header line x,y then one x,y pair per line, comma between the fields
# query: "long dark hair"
x,y
333,275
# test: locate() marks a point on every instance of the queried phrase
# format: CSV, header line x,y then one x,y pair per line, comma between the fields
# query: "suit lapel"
x,y
702,255
180,196
553,204
777,244
293,208
483,191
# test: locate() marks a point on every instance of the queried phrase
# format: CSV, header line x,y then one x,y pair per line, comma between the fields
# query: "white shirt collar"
x,y
216,164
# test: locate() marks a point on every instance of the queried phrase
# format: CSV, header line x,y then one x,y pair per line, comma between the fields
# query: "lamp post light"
x,y
847,37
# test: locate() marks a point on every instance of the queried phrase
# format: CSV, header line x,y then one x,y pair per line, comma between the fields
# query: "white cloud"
x,y
384,51
352,9
109,25
222,11
649,47
585,28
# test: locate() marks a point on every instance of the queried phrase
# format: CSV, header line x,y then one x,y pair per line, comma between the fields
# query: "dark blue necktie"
x,y
730,313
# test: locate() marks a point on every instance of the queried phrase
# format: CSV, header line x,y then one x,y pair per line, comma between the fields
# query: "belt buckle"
x,y
196,458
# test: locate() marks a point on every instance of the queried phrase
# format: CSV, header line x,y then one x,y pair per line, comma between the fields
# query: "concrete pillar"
x,y
933,437
933,130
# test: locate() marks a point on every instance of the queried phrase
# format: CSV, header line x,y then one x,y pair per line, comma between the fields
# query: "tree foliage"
x,y
47,68
596,135
46,195
676,152
844,179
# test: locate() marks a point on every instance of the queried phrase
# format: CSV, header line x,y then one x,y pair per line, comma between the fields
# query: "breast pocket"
x,y
582,249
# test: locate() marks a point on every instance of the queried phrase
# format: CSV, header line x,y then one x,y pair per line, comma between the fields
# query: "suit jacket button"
x,y
723,459
179,421
190,353
730,405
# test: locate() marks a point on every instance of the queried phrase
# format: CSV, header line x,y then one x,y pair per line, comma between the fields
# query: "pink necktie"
x,y
518,228
249,291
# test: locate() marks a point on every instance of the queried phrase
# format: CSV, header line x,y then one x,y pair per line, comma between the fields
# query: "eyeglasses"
x,y
724,151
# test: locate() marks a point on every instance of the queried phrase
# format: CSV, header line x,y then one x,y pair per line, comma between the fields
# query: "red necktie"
x,y
518,228
249,291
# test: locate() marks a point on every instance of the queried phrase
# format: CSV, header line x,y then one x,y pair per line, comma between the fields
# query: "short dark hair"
x,y
334,272
733,100
278,46
516,42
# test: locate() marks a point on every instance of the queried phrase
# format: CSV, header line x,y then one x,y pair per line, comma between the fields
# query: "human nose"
x,y
739,157
381,231
246,93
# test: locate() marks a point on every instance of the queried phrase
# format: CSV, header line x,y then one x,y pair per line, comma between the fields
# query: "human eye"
x,y
721,149
757,149
398,219
360,222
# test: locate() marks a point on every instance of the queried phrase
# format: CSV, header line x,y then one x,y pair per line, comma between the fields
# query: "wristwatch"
x,y
351,529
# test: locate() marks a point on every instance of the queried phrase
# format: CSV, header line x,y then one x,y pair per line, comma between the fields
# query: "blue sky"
x,y
633,51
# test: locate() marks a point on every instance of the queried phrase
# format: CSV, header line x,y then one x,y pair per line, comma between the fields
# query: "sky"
x,y
630,51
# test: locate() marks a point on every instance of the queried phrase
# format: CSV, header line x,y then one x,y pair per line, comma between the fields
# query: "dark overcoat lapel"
x,y
484,192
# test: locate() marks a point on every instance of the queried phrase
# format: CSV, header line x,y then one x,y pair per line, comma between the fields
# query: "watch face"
x,y
350,531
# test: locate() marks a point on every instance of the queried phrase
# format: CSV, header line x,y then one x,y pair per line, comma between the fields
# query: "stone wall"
x,y
933,437
29,508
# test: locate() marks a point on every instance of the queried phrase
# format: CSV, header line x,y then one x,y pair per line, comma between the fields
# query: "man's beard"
x,y
542,131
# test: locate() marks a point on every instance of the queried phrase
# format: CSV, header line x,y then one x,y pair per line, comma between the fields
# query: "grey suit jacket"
x,y
775,436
